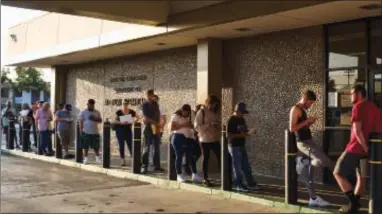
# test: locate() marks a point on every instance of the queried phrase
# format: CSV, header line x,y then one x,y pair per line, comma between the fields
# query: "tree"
x,y
29,79
4,75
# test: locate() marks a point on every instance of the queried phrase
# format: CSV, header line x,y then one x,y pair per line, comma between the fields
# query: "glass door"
x,y
375,93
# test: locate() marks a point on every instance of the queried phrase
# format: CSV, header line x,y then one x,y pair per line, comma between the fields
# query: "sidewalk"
x,y
272,193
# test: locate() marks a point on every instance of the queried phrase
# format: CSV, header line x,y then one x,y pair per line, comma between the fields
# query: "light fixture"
x,y
243,29
371,7
13,37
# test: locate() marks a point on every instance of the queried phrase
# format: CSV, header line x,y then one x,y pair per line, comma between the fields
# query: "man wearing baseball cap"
x,y
237,132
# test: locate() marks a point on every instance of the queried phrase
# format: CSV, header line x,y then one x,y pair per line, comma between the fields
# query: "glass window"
x,y
339,86
376,42
5,92
347,45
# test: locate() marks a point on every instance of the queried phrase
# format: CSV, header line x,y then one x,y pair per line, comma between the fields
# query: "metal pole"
x,y
226,174
106,144
57,142
291,193
11,134
79,155
25,134
171,162
375,162
137,148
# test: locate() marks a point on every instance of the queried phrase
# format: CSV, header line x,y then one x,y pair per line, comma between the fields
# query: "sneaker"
x,y
196,178
123,162
144,170
241,188
318,202
85,161
180,179
98,159
347,209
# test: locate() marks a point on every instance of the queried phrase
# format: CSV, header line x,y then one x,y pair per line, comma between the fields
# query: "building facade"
x,y
266,59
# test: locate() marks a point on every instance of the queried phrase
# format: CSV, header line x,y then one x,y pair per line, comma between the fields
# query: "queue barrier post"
x,y
291,193
106,144
79,155
57,142
137,148
226,175
11,134
171,162
25,134
375,163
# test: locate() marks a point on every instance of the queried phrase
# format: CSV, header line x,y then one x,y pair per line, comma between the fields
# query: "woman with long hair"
x,y
208,125
183,141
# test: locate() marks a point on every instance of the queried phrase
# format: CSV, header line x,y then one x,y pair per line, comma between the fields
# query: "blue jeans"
x,y
241,165
124,135
183,146
150,140
45,140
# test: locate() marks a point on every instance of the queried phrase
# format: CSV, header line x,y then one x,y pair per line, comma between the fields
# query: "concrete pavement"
x,y
36,187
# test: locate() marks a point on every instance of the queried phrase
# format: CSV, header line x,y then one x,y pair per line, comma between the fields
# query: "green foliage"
x,y
29,79
4,75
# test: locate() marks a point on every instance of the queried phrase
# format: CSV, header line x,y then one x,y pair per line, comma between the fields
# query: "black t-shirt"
x,y
120,113
237,125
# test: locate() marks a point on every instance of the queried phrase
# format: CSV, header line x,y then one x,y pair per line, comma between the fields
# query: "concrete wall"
x,y
171,73
269,72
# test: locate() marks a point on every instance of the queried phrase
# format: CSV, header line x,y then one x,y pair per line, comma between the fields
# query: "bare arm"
x,y
199,126
357,128
295,113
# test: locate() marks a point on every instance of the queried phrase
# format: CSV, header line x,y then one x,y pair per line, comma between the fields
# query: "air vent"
x,y
371,7
242,29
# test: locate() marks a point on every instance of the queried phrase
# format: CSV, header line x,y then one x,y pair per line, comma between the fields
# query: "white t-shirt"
x,y
187,132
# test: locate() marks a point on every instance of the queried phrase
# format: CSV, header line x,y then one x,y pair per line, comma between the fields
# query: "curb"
x,y
163,183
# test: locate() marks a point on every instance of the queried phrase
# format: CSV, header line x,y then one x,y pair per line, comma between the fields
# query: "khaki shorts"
x,y
347,163
65,137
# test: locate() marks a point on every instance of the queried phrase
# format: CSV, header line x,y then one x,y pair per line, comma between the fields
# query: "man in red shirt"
x,y
365,119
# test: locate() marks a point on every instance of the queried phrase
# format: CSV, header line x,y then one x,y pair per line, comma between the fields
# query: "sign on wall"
x,y
130,89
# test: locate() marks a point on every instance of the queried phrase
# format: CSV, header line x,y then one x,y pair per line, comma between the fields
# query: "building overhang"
x,y
291,19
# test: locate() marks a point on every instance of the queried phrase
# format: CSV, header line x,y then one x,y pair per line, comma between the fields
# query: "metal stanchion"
x,y
79,155
137,148
226,165
11,134
106,145
290,168
171,162
25,134
57,142
375,162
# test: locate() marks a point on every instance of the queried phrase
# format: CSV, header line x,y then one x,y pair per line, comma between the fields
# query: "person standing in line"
x,y
300,124
124,130
43,118
8,114
183,140
64,120
151,121
89,120
196,150
162,123
237,131
35,107
27,117
207,124
365,119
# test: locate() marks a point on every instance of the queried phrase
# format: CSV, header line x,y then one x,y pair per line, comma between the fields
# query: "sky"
x,y
11,16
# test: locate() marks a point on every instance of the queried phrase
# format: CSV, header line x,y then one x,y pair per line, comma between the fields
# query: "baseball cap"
x,y
241,108
91,101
